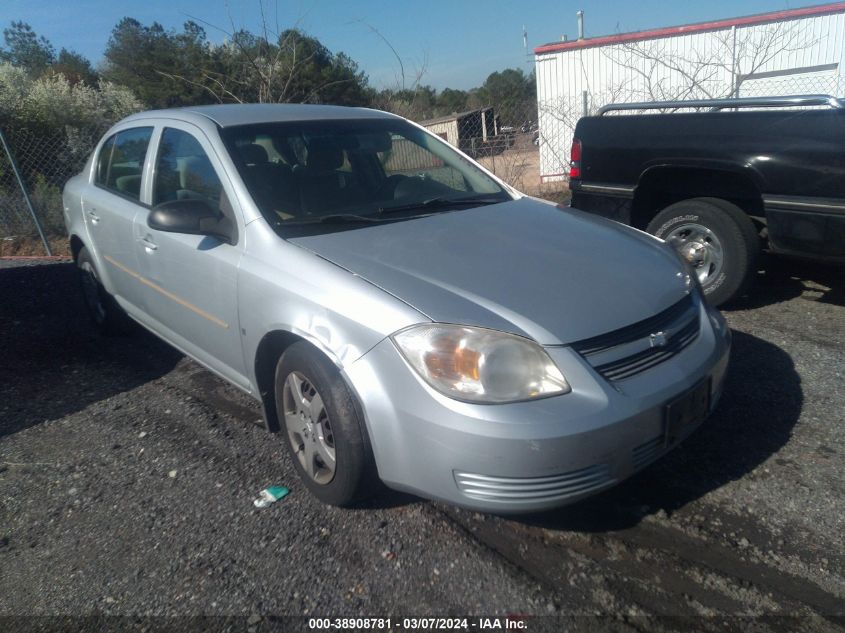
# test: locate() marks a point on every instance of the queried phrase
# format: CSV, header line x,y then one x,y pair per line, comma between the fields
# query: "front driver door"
x,y
191,292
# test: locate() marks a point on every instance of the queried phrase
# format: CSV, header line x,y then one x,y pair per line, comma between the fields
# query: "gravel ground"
x,y
127,475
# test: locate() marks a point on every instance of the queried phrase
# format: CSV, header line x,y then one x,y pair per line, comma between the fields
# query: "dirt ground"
x,y
32,246
127,475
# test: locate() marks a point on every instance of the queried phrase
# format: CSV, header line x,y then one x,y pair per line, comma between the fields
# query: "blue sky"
x,y
459,42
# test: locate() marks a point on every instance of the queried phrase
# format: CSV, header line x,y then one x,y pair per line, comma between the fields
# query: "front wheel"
x,y
717,239
322,427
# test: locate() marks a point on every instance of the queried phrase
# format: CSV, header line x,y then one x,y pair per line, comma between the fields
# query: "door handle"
x,y
92,213
147,243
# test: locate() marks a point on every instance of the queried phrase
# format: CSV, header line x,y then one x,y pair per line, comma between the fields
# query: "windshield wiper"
x,y
431,203
442,202
334,218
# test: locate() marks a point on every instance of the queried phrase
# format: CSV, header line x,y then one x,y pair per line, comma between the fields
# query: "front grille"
x,y
632,365
679,324
647,452
532,489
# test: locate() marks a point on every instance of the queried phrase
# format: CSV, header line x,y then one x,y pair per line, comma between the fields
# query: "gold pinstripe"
x,y
168,294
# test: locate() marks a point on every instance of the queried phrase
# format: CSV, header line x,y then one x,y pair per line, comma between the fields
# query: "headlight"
x,y
689,274
480,365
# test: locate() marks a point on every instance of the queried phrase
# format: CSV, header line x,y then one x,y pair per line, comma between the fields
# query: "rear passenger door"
x,y
110,207
191,289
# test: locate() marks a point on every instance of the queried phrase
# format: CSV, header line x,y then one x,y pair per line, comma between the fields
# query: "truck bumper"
x,y
611,207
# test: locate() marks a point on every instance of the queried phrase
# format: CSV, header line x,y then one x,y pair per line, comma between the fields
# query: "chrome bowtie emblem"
x,y
658,339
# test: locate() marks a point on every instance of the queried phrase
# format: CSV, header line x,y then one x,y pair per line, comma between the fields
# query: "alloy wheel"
x,y
309,428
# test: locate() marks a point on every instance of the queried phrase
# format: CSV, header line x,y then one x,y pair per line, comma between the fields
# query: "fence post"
x,y
585,103
25,193
734,77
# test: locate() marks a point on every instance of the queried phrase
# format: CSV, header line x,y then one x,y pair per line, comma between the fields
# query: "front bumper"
x,y
527,456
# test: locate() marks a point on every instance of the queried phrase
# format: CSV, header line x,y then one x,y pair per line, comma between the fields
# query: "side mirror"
x,y
192,216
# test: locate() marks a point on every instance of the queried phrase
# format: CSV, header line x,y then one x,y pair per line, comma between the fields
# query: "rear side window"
x,y
121,161
183,170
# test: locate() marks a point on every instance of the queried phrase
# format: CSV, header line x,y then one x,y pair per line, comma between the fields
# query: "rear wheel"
x,y
718,240
322,427
107,315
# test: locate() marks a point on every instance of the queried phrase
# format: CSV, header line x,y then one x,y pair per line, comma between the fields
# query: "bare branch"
x,y
389,45
205,87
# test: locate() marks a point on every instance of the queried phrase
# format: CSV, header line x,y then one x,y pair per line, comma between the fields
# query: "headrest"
x,y
191,168
129,184
374,142
253,154
324,154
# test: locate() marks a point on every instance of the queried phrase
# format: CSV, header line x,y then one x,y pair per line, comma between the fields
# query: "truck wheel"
x,y
108,317
719,241
323,430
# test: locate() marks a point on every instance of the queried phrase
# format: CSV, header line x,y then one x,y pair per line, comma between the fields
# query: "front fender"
x,y
285,288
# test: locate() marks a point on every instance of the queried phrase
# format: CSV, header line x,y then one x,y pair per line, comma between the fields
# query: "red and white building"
x,y
795,51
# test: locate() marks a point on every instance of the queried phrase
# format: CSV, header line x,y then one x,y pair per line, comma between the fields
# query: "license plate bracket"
x,y
685,412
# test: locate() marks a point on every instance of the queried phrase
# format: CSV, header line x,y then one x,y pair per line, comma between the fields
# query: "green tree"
x,y
451,100
26,50
163,68
417,103
168,68
512,93
295,68
75,67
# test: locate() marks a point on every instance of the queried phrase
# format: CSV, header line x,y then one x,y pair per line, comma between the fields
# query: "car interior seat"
x,y
130,185
272,184
322,186
197,178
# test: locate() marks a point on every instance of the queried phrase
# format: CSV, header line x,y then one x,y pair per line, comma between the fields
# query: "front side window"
x,y
183,170
121,161
319,172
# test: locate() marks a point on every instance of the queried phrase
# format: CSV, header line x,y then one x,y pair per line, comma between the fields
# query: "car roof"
x,y
228,115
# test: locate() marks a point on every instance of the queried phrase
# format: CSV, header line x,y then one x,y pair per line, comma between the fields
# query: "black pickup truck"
x,y
720,184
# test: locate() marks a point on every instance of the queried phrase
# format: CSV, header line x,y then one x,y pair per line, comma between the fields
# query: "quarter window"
x,y
121,161
183,170
103,162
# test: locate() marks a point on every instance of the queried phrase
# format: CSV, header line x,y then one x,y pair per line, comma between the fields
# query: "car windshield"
x,y
348,172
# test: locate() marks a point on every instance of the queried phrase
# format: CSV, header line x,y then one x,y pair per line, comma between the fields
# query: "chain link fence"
x,y
45,160
773,86
505,139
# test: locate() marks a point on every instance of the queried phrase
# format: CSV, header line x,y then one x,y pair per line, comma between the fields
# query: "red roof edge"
x,y
686,29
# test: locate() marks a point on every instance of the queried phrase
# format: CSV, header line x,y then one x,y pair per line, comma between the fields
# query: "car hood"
x,y
522,266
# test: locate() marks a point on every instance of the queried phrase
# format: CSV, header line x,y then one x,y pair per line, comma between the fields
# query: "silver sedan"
x,y
401,314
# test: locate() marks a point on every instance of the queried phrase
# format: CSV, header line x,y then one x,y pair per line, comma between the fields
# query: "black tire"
x,y
108,317
745,223
730,229
354,475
